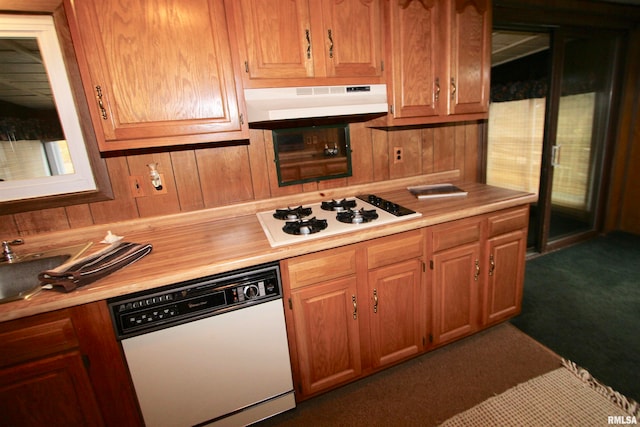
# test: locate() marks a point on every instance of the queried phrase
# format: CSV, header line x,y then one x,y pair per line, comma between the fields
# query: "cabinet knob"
x,y
330,43
477,274
492,265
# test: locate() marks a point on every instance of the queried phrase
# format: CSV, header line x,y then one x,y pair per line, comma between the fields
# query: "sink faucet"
x,y
7,252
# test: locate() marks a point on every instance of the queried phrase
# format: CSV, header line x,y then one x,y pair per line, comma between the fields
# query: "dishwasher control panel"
x,y
183,302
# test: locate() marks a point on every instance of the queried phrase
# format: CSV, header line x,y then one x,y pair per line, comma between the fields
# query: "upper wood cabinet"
x,y
157,73
439,52
470,61
314,41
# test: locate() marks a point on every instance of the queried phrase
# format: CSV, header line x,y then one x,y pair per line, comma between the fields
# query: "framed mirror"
x,y
48,156
308,154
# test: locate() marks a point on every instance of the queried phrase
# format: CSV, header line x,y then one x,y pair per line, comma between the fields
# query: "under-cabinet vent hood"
x,y
314,101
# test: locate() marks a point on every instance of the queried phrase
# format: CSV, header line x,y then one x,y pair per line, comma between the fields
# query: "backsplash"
x,y
219,176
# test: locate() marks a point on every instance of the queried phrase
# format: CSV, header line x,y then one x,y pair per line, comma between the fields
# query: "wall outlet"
x,y
398,155
136,186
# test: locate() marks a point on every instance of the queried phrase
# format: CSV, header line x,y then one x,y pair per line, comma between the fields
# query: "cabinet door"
x,y
456,280
276,36
503,297
157,73
53,391
396,310
470,56
326,333
352,37
414,47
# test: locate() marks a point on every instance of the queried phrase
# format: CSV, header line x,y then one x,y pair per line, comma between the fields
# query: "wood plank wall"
x,y
205,178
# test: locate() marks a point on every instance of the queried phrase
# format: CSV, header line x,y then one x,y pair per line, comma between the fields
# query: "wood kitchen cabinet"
x,y
439,53
65,368
477,272
506,246
157,73
308,42
354,309
323,319
397,301
456,279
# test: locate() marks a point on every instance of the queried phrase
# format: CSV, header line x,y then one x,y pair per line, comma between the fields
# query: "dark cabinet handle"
x,y
453,89
103,111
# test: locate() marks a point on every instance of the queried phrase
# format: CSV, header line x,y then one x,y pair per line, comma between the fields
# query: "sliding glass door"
x,y
549,121
577,131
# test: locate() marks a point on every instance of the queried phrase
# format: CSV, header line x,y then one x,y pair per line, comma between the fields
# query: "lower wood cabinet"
x,y
356,309
477,272
326,334
65,368
506,247
53,390
396,319
456,292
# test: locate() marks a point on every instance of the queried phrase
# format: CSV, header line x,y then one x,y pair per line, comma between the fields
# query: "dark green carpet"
x,y
583,302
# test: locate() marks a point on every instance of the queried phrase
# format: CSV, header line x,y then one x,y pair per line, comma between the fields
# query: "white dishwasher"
x,y
211,351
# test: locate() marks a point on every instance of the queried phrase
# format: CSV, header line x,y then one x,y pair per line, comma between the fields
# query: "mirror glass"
x,y
314,153
42,150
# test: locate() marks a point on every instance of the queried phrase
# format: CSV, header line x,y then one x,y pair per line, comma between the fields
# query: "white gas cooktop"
x,y
273,227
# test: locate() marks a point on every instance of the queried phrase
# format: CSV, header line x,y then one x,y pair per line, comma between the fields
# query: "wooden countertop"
x,y
189,246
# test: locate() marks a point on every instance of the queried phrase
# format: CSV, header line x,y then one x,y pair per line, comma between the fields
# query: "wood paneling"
x,y
79,216
259,169
361,154
154,202
42,221
380,160
443,148
225,175
186,179
410,164
195,179
123,206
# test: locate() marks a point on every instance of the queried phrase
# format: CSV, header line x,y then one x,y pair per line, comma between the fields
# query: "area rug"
x,y
567,396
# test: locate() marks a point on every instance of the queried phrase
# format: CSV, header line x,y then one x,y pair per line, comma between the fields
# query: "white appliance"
x,y
212,351
314,101
386,212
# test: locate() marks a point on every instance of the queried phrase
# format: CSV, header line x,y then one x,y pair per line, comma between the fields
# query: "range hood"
x,y
314,101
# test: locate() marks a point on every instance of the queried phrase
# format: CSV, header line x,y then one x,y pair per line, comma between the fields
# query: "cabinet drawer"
x,y
505,222
459,233
393,249
23,340
320,266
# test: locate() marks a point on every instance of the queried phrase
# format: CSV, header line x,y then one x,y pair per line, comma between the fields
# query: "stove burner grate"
x,y
357,216
305,226
292,213
341,205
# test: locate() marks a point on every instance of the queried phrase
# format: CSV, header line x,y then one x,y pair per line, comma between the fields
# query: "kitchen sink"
x,y
19,279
